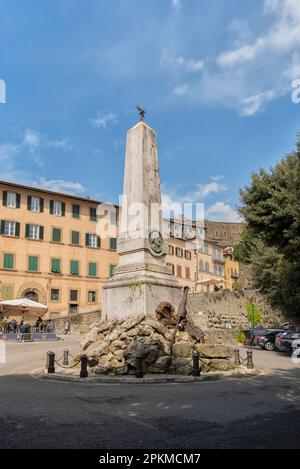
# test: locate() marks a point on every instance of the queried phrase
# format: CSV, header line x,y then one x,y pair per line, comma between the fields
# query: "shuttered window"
x,y
7,292
75,211
92,269
111,269
55,266
8,260
74,267
56,235
113,244
75,237
33,263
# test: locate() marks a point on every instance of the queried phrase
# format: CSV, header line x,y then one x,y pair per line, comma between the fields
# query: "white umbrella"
x,y
22,305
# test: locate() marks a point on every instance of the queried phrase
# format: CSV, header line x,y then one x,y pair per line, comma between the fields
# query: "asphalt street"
x,y
256,412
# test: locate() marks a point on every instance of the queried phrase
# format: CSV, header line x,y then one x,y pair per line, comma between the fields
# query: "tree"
x,y
253,313
271,242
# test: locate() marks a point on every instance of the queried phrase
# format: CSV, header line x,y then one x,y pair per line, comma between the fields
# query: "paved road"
x,y
260,412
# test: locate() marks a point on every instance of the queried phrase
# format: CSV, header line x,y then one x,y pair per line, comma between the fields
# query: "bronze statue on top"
x,y
142,113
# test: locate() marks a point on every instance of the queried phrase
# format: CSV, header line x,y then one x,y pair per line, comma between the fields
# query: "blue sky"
x,y
214,76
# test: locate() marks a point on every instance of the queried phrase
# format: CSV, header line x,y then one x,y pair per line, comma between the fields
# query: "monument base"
x,y
130,295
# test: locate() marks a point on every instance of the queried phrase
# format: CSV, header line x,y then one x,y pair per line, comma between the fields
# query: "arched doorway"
x,y
31,295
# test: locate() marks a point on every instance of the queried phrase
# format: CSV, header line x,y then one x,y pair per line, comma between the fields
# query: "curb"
x,y
59,377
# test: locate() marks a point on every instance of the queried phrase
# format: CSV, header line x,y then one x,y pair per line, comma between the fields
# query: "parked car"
x,y
284,340
267,340
252,334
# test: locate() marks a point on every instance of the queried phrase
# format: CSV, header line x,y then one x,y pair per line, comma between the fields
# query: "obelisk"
x,y
142,279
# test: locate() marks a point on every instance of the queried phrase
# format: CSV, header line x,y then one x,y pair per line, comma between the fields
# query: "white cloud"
x,y
221,211
103,120
59,185
181,90
253,104
180,62
32,139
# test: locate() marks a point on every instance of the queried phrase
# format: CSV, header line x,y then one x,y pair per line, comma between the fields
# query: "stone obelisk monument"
x,y
142,279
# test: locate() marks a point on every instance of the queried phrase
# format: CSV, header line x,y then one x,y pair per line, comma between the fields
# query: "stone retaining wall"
x,y
80,323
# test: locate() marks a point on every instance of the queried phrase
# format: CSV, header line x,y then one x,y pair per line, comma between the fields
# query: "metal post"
x,y
250,364
196,368
50,362
237,359
83,367
139,373
66,358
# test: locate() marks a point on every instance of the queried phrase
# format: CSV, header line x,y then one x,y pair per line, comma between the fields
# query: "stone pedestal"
x,y
142,279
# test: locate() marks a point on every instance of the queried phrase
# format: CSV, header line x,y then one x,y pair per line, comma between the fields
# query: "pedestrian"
x,y
67,327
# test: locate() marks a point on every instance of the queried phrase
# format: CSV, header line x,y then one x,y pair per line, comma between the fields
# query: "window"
x,y
179,252
171,250
56,235
187,272
75,236
92,240
112,269
55,266
10,228
113,218
201,265
179,271
215,270
73,295
188,255
206,250
74,267
92,297
220,271
7,292
113,244
93,214
32,231
206,266
33,263
92,269
8,261
54,294
75,211
172,268
57,208
11,200
35,204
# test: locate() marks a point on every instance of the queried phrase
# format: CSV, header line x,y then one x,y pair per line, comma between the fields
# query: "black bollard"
x,y
50,362
139,373
237,359
66,358
196,368
250,364
83,367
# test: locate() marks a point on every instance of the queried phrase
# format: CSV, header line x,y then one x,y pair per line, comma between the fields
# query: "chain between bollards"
x,y
50,362
139,372
196,365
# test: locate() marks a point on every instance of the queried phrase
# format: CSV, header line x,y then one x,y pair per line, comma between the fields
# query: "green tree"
x,y
253,314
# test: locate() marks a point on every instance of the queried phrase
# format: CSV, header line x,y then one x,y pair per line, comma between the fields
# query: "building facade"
x,y
50,251
227,232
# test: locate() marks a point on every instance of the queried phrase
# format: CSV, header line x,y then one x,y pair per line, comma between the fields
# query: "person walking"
x,y
67,327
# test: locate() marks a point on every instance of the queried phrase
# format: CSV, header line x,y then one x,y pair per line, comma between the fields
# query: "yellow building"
x,y
232,268
50,251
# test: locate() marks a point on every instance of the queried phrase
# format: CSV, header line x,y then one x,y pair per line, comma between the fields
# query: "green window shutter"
x,y
41,233
63,209
87,243
8,261
92,269
27,230
75,237
51,207
111,269
55,266
56,235
74,268
76,211
41,205
4,199
33,263
98,242
113,244
18,201
29,202
2,226
17,229
7,292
